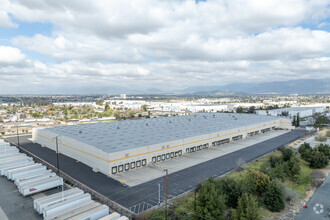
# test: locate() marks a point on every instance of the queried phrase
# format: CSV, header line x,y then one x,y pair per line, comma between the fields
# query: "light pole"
x,y
158,194
57,156
166,170
17,134
17,131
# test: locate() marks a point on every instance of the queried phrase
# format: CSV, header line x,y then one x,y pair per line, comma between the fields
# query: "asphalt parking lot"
x,y
144,196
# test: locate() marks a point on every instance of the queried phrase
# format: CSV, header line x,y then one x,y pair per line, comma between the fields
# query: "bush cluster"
x,y
284,166
318,157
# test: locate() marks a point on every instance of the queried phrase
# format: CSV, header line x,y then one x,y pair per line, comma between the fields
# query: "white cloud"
x,y
170,44
10,55
5,20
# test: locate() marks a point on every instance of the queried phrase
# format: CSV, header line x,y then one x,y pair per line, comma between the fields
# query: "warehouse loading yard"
x,y
144,196
247,137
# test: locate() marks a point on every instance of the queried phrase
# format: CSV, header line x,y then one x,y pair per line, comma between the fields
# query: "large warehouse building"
x,y
120,146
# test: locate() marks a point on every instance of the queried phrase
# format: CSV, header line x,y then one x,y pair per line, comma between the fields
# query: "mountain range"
x,y
301,86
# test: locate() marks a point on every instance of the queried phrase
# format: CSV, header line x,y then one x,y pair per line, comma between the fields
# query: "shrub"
x,y
321,121
232,189
209,202
277,172
248,184
274,197
318,160
286,154
292,167
247,208
273,160
320,138
262,180
325,149
305,151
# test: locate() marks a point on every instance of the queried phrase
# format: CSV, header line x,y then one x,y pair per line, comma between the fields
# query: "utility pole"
x,y
57,155
158,194
17,135
166,170
58,164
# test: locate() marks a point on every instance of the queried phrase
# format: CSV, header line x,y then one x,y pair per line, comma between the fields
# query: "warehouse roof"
x,y
122,135
298,109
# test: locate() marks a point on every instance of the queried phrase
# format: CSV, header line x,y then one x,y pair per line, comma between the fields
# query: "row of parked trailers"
x,y
73,204
31,178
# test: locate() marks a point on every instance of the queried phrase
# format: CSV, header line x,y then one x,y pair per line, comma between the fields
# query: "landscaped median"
x,y
272,186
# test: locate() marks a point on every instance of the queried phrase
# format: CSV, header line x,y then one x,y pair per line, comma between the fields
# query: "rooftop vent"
x,y
118,127
147,124
80,132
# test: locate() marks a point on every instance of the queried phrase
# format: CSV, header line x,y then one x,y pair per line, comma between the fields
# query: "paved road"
x,y
139,198
13,205
319,204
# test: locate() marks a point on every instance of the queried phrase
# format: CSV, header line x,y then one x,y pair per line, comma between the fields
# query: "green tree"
x,y
144,107
262,180
247,208
321,121
298,121
273,160
305,151
239,109
116,113
252,109
287,153
325,149
274,197
292,167
248,184
318,159
210,203
278,172
232,189
294,121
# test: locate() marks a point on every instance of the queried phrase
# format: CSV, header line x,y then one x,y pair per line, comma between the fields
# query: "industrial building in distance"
x,y
120,146
293,111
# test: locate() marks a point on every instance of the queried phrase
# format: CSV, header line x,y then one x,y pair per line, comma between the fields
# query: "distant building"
x,y
290,112
123,96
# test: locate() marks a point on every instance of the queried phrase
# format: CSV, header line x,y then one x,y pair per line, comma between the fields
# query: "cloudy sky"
x,y
98,46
